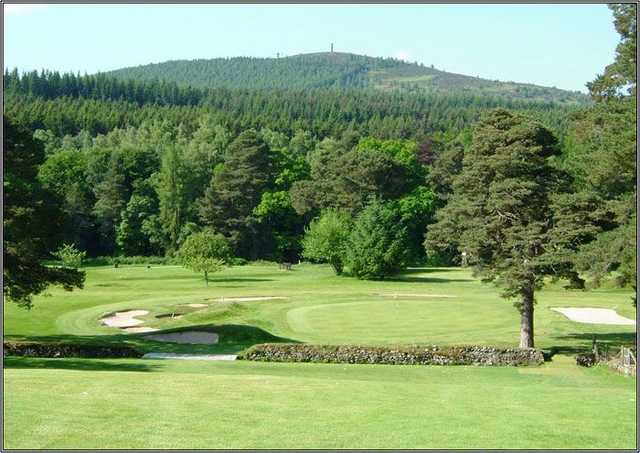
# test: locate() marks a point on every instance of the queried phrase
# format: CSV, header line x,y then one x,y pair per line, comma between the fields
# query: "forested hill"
x,y
67,104
334,70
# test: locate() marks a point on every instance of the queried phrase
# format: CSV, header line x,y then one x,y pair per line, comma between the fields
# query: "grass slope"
x,y
55,403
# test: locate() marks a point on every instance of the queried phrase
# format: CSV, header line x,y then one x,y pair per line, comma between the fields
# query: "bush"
x,y
24,349
70,256
588,359
393,355
325,238
378,244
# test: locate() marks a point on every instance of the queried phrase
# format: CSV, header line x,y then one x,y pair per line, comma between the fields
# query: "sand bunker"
x,y
595,316
123,319
397,295
138,329
246,299
168,355
196,305
187,337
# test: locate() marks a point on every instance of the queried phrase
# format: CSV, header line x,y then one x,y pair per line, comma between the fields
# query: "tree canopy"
x,y
32,221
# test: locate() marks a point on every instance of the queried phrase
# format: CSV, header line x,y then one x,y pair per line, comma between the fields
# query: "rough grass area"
x,y
127,403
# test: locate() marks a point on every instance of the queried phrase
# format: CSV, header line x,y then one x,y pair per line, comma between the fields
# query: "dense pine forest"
x,y
336,70
68,104
137,164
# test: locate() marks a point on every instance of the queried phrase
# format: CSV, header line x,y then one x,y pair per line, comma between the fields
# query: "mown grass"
x,y
153,404
82,403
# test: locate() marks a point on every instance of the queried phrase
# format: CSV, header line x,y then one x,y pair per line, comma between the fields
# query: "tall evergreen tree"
x,y
601,153
32,220
500,209
235,191
170,187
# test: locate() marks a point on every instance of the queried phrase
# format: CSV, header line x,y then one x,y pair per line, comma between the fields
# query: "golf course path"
x,y
163,355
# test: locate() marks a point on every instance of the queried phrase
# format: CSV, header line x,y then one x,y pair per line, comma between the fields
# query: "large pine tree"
x,y
235,191
500,209
33,218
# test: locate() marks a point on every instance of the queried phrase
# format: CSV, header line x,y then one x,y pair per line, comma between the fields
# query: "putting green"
x,y
384,321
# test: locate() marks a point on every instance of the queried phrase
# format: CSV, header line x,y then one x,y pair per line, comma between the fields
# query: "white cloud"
x,y
405,56
21,9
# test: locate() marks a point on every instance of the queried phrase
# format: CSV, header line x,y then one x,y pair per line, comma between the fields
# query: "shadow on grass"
x,y
401,278
76,364
232,338
212,280
608,340
426,270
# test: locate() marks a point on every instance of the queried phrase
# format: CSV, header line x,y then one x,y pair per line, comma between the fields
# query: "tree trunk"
x,y
526,319
206,278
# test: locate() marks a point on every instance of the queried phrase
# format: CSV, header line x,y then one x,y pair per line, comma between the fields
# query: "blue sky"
x,y
551,45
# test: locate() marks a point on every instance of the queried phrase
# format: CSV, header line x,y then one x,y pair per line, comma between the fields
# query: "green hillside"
x,y
334,70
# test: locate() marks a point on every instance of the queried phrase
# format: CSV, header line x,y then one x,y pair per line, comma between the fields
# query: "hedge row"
x,y
68,350
393,355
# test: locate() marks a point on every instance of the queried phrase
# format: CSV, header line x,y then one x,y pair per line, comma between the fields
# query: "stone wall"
x,y
394,355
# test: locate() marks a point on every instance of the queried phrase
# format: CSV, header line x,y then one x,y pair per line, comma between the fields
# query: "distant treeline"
x,y
68,103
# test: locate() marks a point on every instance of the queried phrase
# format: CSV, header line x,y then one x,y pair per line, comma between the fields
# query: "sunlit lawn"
x,y
82,403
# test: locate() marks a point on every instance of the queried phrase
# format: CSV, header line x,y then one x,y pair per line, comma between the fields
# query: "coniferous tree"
x,y
235,191
600,153
500,209
170,188
32,220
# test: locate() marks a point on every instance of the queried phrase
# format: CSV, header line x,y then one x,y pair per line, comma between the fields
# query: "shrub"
x,y
25,349
378,245
70,256
325,238
393,355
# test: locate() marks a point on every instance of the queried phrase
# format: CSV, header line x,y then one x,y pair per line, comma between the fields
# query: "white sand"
x,y
595,316
138,329
187,337
124,318
164,355
197,305
246,299
396,295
